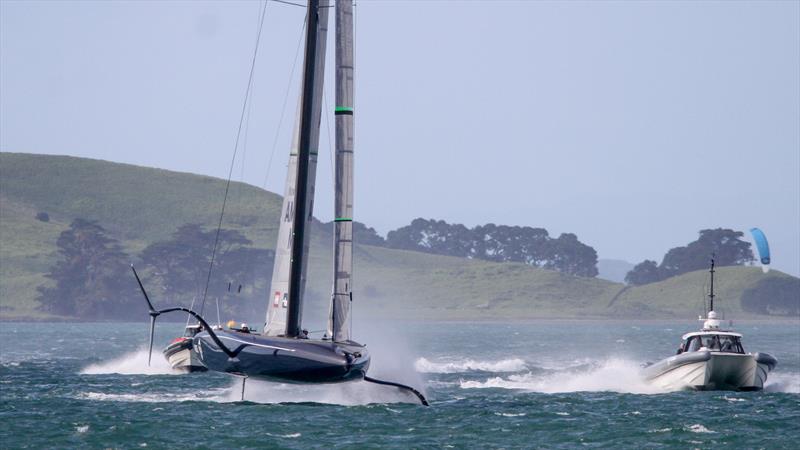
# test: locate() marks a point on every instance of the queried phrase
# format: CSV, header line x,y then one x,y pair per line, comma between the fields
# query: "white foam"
x,y
134,363
783,382
698,428
347,394
613,375
287,436
214,395
466,365
509,414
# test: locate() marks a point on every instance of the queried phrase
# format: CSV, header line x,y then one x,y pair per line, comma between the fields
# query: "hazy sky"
x,y
631,124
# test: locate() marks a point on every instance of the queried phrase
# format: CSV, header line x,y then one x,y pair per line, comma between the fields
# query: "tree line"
x,y
92,278
727,246
490,242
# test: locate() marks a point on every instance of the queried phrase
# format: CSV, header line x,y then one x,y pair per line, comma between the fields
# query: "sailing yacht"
x,y
712,359
283,351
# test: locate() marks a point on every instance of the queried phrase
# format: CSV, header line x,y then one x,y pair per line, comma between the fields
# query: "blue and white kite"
x,y
763,248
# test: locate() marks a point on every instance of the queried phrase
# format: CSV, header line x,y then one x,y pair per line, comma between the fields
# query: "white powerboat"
x,y
181,355
712,359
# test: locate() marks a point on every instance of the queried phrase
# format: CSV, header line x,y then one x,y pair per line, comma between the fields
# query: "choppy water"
x,y
532,384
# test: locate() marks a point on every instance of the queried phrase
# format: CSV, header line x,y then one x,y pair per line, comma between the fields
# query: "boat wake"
x,y
133,363
424,365
783,382
346,394
612,375
211,395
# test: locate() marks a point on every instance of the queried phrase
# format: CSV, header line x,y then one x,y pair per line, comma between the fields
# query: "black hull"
x,y
281,359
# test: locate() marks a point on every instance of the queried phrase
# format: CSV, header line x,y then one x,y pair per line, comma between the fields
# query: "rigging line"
x,y
246,136
289,3
233,158
285,101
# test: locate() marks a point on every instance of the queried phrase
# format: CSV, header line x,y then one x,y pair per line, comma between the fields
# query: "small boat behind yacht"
x,y
181,355
712,359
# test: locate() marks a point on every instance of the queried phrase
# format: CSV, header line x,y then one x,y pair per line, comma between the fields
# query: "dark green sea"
x,y
553,384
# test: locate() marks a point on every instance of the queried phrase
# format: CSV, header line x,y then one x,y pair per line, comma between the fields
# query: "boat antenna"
x,y
191,306
219,322
711,293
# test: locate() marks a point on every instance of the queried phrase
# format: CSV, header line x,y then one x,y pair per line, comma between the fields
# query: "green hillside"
x,y
139,206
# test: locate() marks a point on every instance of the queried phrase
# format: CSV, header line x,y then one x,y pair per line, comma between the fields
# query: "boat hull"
x,y
705,370
181,356
283,359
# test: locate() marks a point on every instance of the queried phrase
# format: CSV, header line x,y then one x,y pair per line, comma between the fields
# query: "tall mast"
x,y
313,74
711,294
339,320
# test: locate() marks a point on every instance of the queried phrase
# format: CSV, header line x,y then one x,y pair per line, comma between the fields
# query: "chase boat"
x,y
180,354
712,359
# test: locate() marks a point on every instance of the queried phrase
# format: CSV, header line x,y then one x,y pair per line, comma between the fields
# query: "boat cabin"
x,y
715,341
192,330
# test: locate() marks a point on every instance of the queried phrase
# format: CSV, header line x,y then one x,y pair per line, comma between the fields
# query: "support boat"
x,y
712,359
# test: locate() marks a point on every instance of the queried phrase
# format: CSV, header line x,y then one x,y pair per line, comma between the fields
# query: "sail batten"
x,y
342,294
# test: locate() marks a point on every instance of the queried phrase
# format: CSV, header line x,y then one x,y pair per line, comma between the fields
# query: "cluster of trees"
x,y
499,243
92,279
727,246
180,265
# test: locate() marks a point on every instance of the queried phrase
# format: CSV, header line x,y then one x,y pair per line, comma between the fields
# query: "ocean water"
x,y
549,384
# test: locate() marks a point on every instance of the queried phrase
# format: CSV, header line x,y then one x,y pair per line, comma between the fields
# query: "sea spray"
x,y
783,382
133,363
347,394
392,354
612,375
425,365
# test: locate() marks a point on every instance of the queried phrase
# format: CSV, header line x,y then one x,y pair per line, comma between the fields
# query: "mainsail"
x,y
339,319
284,311
275,324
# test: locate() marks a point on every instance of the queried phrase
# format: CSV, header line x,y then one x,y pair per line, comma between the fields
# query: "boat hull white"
x,y
181,356
706,370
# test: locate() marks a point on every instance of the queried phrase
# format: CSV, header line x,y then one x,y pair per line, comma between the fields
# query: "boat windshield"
x,y
191,331
714,343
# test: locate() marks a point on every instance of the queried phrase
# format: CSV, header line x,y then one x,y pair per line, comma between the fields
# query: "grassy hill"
x,y
139,205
